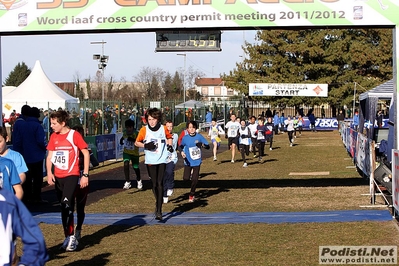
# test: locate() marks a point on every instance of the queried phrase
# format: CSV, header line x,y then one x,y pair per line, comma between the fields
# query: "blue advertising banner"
x,y
106,148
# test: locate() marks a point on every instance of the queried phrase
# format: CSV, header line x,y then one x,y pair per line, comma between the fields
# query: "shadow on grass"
x,y
268,183
99,260
200,201
86,241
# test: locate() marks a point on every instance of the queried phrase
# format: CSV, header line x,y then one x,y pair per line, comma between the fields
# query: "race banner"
x,y
106,148
27,16
288,89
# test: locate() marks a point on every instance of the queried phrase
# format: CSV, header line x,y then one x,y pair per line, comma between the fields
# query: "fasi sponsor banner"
x,y
106,148
26,16
288,89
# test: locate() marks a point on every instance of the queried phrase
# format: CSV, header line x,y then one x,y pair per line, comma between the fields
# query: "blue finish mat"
x,y
196,218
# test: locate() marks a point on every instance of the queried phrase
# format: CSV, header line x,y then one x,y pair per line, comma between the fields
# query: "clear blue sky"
x,y
63,56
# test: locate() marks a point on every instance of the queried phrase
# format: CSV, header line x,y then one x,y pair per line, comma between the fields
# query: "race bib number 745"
x,y
60,159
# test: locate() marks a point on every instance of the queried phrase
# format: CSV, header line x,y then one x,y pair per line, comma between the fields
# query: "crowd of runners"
x,y
69,158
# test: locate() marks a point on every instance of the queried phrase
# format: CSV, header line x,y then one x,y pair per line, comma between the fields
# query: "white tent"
x,y
39,91
7,89
190,104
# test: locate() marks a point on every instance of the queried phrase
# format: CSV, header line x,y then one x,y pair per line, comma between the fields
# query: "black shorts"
x,y
233,141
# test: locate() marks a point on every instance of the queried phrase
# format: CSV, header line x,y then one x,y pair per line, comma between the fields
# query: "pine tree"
x,y
17,75
338,57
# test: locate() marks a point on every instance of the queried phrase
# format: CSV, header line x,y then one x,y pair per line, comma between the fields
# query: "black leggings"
x,y
244,149
81,198
65,190
194,177
156,173
290,133
261,146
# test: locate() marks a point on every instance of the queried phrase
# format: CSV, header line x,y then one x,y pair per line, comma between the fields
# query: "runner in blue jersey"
x,y
190,147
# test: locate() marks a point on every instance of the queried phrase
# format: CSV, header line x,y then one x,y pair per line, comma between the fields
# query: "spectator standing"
x,y
380,118
157,142
276,123
356,121
34,151
282,123
18,129
340,118
323,112
208,117
312,121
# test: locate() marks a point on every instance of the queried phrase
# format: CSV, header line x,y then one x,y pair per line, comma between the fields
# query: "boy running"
x,y
232,134
130,154
190,148
171,160
245,139
214,134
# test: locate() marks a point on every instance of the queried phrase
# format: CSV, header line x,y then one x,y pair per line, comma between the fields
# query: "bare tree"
x,y
151,79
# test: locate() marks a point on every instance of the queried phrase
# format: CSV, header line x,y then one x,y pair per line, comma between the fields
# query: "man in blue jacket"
x,y
16,221
34,151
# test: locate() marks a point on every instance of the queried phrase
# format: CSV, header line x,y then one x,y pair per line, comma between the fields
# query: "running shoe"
x,y
271,149
254,155
245,165
290,144
78,234
191,199
127,185
169,192
165,200
260,158
72,244
158,216
232,161
139,185
215,159
65,243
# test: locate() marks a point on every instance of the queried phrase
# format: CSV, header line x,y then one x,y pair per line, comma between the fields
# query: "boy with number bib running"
x,y
130,154
190,148
214,134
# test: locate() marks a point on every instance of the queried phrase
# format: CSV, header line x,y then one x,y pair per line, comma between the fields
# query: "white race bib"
x,y
195,153
60,159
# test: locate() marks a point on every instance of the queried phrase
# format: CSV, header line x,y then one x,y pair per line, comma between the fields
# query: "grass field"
x,y
314,175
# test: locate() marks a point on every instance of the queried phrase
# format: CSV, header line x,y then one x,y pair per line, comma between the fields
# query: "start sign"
x,y
288,89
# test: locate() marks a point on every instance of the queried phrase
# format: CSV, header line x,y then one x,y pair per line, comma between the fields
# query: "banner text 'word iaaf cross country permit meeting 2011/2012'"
x,y
24,16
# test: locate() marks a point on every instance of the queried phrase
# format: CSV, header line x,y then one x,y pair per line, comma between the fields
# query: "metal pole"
x,y
184,85
354,101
